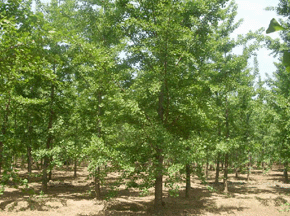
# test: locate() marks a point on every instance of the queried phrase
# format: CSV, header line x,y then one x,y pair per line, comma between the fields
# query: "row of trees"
x,y
146,87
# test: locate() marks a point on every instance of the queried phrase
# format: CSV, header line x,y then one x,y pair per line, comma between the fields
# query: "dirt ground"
x,y
264,195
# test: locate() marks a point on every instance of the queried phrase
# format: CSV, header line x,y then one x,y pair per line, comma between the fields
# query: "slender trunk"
x,y
249,168
67,164
50,173
206,169
159,181
286,171
217,171
263,153
29,162
4,125
15,161
263,165
98,170
226,173
29,156
75,167
98,184
48,142
23,160
1,158
237,172
227,154
44,174
76,144
159,166
188,183
50,168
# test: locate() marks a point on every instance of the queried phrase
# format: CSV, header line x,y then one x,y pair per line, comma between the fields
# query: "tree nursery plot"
x,y
264,194
141,107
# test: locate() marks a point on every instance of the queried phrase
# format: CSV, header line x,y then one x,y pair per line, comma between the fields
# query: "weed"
x,y
144,192
111,194
173,189
41,194
285,207
266,171
211,189
2,189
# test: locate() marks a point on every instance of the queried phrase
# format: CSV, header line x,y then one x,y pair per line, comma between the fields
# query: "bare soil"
x,y
264,195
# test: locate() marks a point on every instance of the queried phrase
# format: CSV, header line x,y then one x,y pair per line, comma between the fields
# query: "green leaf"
x,y
286,58
274,26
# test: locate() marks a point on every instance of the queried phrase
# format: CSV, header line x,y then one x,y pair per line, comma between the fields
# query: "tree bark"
x,y
237,172
159,166
76,144
249,168
50,173
226,173
29,162
98,184
286,171
158,204
217,171
206,170
188,179
48,142
227,154
1,157
29,156
75,167
98,170
4,125
44,175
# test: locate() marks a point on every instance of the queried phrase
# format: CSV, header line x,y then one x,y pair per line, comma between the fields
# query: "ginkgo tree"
x,y
169,48
280,84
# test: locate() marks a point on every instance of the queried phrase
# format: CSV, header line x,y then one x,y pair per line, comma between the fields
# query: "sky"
x,y
255,16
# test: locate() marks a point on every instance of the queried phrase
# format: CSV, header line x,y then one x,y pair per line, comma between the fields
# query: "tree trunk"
x,y
159,182
98,184
1,158
249,168
217,171
286,171
188,179
49,174
159,166
237,172
206,169
48,142
263,165
50,168
226,173
75,145
29,162
227,154
98,170
41,163
44,174
4,125
29,156
75,167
